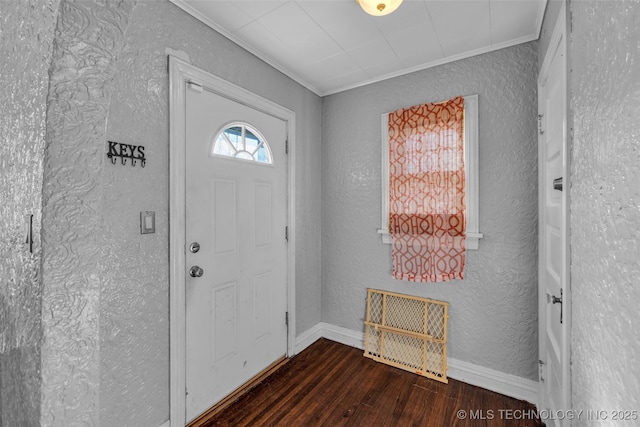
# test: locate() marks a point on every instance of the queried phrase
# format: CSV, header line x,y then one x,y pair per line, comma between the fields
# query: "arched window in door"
x,y
241,141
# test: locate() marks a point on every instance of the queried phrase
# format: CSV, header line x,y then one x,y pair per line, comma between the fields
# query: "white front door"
x,y
236,210
554,291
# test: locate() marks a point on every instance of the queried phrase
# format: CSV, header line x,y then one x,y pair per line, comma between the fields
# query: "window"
x,y
243,142
471,172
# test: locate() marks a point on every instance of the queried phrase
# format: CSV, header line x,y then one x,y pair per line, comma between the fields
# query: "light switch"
x,y
147,222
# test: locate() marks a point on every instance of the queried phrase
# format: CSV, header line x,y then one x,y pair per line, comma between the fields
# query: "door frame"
x,y
558,42
181,73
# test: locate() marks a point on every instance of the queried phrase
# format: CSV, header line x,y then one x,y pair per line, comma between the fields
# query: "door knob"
x,y
552,299
196,271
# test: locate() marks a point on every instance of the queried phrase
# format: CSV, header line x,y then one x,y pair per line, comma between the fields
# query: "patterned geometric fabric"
x,y
427,191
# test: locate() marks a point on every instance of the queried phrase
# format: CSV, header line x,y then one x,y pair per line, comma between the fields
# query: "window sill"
x,y
472,241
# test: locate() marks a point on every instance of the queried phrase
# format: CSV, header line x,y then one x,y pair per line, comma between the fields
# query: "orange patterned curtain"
x,y
427,191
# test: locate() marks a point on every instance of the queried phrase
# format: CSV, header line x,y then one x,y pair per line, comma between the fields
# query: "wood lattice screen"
x,y
407,332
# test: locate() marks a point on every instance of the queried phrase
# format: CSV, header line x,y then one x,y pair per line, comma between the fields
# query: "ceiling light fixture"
x,y
379,7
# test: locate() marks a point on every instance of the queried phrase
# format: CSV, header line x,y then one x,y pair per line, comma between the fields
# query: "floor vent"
x,y
407,332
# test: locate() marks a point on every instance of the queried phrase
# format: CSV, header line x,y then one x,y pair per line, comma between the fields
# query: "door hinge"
x,y
286,233
286,318
570,21
541,373
540,124
286,146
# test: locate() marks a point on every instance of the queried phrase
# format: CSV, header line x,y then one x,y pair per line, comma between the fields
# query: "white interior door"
x,y
554,291
236,204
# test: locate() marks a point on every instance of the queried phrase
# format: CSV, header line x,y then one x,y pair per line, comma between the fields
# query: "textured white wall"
x,y
26,36
605,205
75,268
493,311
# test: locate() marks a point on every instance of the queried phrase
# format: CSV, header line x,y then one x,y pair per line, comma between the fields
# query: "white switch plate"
x,y
147,222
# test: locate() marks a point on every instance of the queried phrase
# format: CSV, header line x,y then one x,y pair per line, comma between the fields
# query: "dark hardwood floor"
x,y
330,384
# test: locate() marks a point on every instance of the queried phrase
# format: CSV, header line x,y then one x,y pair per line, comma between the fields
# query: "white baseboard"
x,y
342,335
308,337
507,384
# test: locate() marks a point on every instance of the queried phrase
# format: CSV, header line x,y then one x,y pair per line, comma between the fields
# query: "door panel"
x,y
223,318
554,292
236,211
224,216
263,196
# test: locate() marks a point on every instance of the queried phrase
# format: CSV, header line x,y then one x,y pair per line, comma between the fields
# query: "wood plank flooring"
x,y
330,384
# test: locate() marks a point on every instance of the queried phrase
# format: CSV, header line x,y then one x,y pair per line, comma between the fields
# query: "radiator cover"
x,y
407,332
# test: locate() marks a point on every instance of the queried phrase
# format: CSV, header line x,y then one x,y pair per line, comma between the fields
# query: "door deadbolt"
x,y
194,247
196,271
557,184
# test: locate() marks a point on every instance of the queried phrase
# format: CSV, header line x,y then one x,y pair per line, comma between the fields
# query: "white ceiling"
x,y
333,45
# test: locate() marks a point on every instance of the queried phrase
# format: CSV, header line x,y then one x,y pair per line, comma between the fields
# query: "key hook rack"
x,y
125,151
